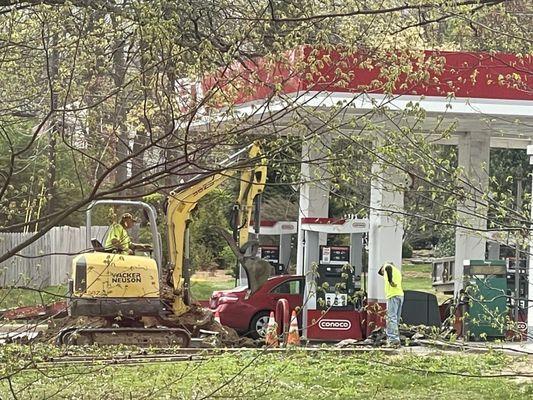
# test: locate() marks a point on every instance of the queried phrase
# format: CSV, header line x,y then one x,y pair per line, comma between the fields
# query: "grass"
x,y
418,277
202,289
294,375
10,298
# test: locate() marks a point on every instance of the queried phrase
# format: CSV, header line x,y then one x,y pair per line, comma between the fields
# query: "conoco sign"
x,y
335,324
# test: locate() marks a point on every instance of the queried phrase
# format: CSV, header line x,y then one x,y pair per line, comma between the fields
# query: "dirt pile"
x,y
198,321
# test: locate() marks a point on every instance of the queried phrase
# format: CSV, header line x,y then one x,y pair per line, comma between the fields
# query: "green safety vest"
x,y
117,231
397,279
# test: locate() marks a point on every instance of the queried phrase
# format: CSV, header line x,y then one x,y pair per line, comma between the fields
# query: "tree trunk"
x,y
119,126
53,70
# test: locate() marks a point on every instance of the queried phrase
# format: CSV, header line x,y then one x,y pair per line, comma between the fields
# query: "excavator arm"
x,y
252,185
182,202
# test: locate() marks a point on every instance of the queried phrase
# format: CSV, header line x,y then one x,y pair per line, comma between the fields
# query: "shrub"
x,y
407,250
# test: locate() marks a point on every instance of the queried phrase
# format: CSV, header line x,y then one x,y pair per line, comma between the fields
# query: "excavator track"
x,y
142,337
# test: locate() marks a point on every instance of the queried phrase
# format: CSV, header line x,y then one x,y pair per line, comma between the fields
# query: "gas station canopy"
x,y
475,91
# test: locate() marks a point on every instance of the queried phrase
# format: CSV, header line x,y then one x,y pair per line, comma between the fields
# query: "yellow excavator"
x,y
121,291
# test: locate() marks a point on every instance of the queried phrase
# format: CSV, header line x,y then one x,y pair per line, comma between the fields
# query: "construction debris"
x,y
347,343
57,309
21,333
376,338
46,323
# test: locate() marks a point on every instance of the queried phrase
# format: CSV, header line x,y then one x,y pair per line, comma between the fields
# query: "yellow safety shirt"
x,y
118,232
396,279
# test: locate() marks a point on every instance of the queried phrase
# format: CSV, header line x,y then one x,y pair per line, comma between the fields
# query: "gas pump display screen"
x,y
270,253
339,255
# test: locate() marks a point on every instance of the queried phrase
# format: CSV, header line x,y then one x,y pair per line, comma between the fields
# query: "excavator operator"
x,y
118,239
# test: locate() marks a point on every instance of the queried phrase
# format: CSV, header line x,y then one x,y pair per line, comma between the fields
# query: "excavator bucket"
x,y
257,272
257,269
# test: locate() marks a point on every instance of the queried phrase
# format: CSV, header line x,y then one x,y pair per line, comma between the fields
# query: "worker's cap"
x,y
126,216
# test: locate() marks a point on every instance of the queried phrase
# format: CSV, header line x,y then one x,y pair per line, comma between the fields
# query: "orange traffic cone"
x,y
293,339
217,317
271,337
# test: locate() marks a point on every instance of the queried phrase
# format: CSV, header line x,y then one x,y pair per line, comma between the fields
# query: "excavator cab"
x,y
106,283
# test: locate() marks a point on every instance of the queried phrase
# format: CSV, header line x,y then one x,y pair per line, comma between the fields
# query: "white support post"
x,y
285,250
386,226
311,256
314,191
529,303
493,250
474,153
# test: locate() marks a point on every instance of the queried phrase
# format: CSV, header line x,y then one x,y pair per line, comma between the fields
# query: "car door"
x,y
291,289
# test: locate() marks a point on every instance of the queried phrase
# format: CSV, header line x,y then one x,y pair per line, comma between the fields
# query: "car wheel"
x,y
259,324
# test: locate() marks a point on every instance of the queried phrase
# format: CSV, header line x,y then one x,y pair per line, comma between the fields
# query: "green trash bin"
x,y
485,294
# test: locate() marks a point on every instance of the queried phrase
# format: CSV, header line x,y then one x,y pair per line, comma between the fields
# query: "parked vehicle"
x,y
248,314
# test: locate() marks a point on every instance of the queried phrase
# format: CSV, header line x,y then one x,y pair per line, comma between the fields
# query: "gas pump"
x,y
271,254
333,303
279,254
518,306
336,280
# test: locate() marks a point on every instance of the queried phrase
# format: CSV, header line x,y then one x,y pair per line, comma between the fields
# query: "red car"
x,y
248,314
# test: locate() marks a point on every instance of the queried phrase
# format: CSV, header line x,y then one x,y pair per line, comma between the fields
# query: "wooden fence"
x,y
47,261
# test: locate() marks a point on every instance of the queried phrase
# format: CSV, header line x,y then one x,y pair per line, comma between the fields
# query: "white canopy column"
x,y
474,154
386,225
314,189
530,264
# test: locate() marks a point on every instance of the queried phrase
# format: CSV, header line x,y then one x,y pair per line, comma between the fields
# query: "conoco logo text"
x,y
335,324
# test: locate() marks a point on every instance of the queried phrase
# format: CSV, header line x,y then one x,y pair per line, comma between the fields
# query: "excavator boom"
x,y
181,202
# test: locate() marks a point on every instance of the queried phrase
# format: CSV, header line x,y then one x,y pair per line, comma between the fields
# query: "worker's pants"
x,y
394,312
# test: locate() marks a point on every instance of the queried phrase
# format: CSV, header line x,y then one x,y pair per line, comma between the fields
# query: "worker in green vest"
x,y
118,239
394,295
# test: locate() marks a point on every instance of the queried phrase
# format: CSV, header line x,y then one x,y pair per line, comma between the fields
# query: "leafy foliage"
x,y
112,99
208,248
276,376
